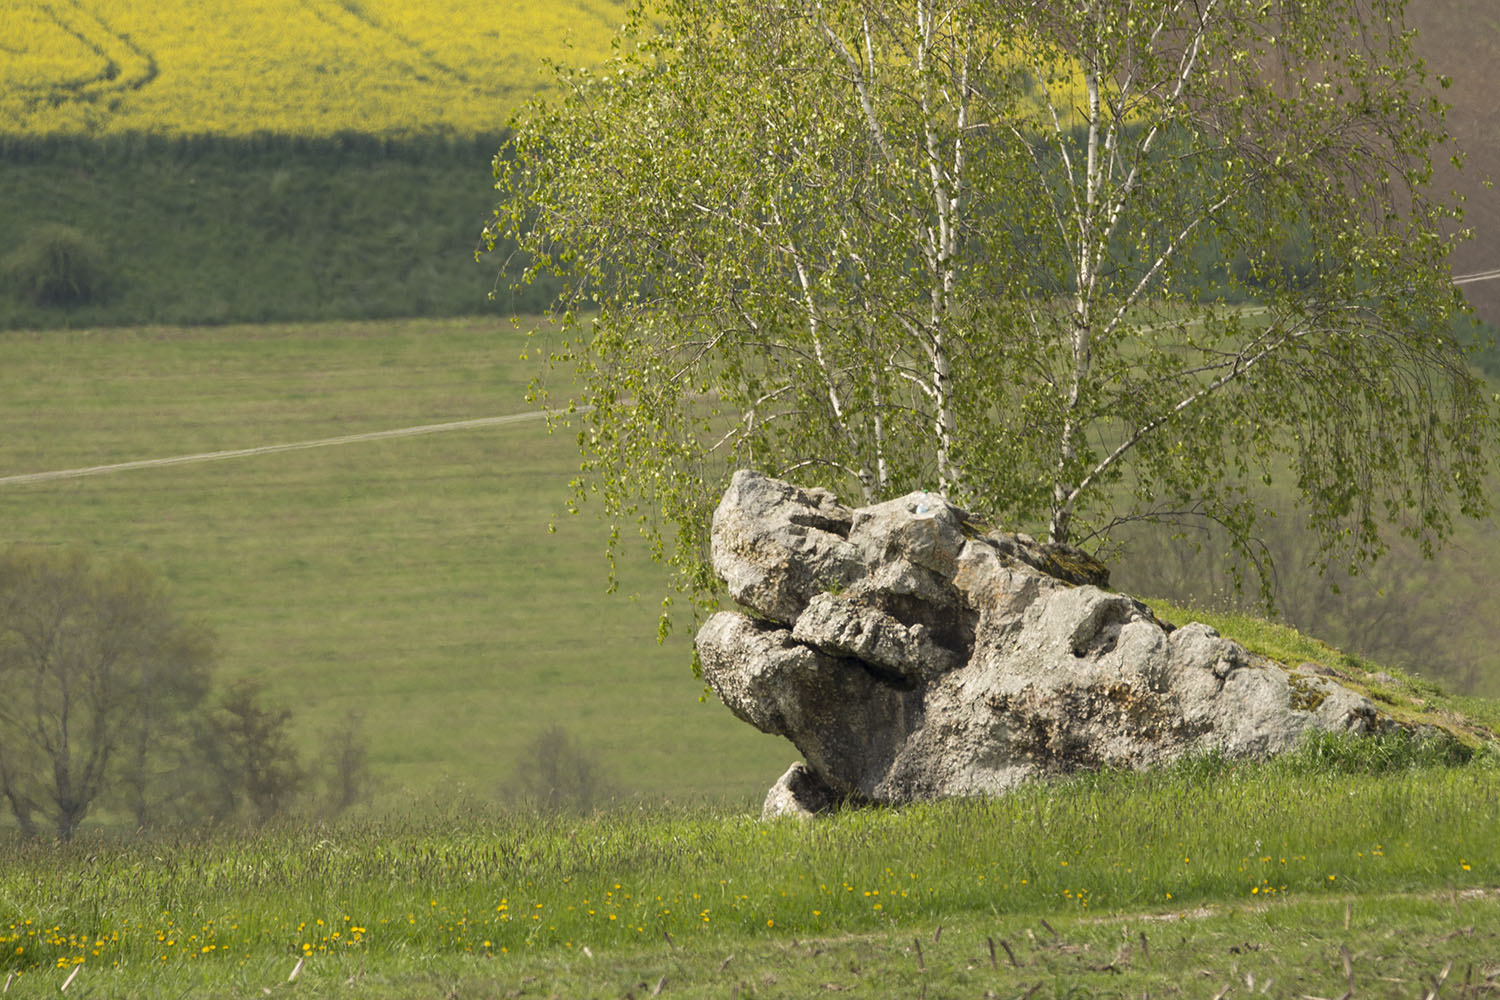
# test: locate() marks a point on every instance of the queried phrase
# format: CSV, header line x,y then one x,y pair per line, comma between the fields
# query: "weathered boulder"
x,y
909,655
800,793
777,545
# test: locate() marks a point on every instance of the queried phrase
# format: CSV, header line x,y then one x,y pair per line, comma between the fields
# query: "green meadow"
x,y
413,580
1321,874
433,584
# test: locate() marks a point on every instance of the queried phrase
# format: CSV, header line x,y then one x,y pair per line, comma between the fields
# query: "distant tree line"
x,y
108,703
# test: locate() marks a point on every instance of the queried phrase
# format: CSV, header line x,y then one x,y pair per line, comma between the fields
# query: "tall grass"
x,y
474,880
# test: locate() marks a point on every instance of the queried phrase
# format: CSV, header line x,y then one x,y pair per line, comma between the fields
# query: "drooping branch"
x,y
1237,370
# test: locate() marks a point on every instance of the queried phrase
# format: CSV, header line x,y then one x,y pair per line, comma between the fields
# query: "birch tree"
x,y
1035,255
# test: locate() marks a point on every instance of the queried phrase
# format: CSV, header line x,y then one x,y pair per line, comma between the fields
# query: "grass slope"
x,y
1318,878
411,579
1407,698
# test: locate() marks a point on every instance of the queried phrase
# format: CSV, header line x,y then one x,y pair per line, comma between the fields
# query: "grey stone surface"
x,y
843,626
909,655
800,794
777,545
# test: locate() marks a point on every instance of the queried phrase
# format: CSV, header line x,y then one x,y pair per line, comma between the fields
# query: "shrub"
x,y
58,266
344,766
248,745
557,774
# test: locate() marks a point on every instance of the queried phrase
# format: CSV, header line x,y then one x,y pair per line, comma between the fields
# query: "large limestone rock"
x,y
909,656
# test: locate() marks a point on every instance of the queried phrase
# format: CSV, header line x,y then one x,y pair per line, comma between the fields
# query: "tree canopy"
x,y
1073,264
96,673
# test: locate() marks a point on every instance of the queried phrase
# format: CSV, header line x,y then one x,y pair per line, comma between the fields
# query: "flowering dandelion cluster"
x,y
571,912
568,914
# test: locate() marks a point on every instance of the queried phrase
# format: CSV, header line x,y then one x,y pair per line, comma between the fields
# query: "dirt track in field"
x,y
272,449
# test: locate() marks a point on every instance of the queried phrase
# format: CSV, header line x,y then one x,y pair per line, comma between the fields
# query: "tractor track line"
x,y
273,449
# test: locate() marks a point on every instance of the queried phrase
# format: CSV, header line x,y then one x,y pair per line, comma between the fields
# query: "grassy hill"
x,y
226,172
413,580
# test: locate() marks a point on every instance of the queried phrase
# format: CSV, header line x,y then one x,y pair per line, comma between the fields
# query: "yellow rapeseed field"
x,y
301,67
